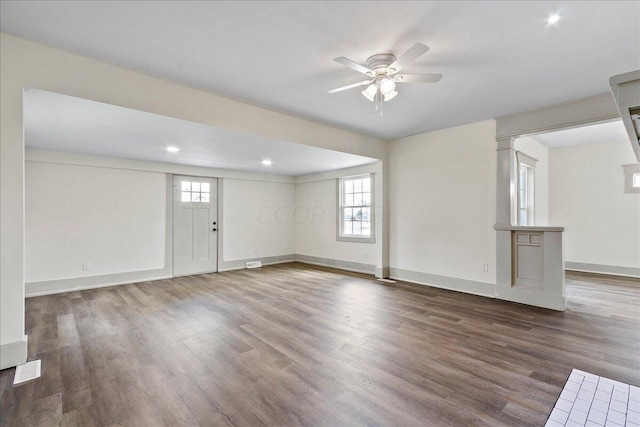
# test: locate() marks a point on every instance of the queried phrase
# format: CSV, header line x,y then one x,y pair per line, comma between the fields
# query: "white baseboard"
x,y
241,264
356,267
49,287
443,282
13,353
612,270
535,298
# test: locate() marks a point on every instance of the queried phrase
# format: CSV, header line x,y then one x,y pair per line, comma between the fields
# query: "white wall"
x,y
587,197
26,64
114,219
539,152
316,218
443,204
257,219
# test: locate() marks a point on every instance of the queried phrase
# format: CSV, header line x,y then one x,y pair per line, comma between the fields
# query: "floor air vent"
x,y
28,371
254,264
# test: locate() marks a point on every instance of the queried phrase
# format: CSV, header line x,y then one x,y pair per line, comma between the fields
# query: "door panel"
x,y
195,216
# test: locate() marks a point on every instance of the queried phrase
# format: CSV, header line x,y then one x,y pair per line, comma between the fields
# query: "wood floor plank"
x,y
293,344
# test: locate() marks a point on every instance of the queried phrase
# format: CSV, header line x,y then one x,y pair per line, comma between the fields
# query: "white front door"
x,y
195,223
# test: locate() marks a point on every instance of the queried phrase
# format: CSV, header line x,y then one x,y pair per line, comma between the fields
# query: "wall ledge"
x,y
528,228
13,353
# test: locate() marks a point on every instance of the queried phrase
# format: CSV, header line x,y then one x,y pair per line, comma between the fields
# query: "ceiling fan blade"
x,y
408,57
340,89
354,66
417,78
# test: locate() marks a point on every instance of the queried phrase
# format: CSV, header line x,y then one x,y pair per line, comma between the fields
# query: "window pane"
x,y
357,227
366,228
348,199
365,214
357,185
348,186
186,186
346,227
195,197
636,180
205,197
195,186
357,214
366,199
204,187
348,214
186,196
366,185
357,199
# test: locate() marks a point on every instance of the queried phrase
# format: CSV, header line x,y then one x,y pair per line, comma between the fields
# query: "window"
x,y
195,192
526,184
632,178
355,206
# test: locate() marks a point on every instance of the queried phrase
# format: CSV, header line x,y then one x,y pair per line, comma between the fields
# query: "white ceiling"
x,y
65,123
497,57
592,134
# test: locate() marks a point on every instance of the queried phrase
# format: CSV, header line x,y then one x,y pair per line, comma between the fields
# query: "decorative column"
x,y
529,259
505,209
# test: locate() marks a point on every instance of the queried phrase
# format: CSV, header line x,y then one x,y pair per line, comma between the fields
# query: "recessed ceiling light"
x,y
172,149
553,19
266,162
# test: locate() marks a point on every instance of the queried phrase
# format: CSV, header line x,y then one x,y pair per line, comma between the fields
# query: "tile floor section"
x,y
590,400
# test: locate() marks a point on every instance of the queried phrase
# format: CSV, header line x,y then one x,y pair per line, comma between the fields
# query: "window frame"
x,y
191,191
529,164
340,236
629,172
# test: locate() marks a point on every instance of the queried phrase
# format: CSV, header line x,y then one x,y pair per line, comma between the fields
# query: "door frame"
x,y
169,253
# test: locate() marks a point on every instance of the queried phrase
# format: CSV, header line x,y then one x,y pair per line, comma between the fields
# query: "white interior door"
x,y
195,223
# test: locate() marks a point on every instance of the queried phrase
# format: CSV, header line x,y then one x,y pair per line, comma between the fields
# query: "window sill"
x,y
355,239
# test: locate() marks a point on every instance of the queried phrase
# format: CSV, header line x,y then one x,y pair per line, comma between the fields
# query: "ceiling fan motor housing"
x,y
379,63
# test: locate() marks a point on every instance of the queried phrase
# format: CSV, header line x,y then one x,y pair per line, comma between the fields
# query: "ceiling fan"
x,y
382,72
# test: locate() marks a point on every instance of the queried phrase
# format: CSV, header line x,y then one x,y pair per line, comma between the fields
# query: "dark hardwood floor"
x,y
299,345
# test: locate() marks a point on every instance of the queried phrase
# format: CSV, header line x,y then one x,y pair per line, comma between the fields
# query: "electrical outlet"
x,y
485,267
255,251
86,266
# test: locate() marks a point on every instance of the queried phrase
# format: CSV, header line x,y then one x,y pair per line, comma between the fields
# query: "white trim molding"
x,y
626,92
338,264
613,270
473,287
58,286
566,115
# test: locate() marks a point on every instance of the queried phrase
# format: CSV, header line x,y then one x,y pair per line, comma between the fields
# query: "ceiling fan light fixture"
x,y
387,86
389,96
370,92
